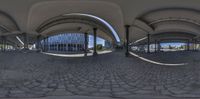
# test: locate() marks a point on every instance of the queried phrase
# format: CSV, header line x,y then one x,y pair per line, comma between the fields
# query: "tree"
x,y
170,47
99,47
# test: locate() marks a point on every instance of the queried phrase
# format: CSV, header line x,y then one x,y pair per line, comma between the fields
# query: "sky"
x,y
99,41
172,44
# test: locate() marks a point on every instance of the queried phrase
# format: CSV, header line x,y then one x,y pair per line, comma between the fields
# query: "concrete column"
x,y
63,47
148,43
38,42
159,46
25,36
155,46
194,44
3,43
47,44
76,47
188,45
95,41
86,43
127,40
44,44
50,45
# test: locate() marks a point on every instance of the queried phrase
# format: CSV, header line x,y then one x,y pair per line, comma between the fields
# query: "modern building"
x,y
107,45
64,42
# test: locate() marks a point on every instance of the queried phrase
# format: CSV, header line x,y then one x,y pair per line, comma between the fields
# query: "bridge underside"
x,y
29,70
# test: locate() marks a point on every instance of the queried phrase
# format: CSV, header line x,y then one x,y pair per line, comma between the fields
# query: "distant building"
x,y
68,42
107,44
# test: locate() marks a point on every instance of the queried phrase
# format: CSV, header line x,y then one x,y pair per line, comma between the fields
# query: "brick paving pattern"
x,y
24,75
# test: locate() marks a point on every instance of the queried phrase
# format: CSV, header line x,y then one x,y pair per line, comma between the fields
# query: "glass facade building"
x,y
66,42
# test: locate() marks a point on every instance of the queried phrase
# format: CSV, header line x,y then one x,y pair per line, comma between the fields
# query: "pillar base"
x,y
127,54
85,54
95,54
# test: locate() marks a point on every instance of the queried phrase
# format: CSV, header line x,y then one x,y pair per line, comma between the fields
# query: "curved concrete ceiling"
x,y
173,20
77,23
7,23
38,13
75,28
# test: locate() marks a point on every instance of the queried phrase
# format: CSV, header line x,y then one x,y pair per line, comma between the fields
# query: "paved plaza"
x,y
34,75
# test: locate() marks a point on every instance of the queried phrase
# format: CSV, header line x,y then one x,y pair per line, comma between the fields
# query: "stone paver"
x,y
29,75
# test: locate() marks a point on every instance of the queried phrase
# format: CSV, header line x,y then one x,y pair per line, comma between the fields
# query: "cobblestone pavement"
x,y
29,75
